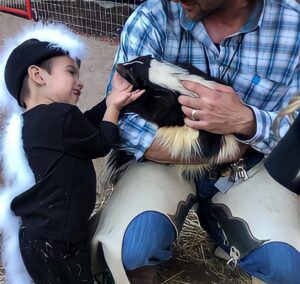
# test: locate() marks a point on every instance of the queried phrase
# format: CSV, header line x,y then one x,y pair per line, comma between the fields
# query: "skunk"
x,y
159,104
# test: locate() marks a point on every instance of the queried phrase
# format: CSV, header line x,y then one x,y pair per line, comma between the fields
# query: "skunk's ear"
x,y
144,60
148,57
147,60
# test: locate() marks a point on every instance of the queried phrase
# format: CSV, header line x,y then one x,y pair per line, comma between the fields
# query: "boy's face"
x,y
63,84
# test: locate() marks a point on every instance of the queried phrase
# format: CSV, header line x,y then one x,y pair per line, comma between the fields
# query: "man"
x,y
254,47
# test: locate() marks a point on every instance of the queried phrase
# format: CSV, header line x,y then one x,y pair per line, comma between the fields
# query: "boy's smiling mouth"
x,y
77,93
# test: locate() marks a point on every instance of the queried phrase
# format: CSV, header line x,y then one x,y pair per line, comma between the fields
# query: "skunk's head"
x,y
136,71
144,71
162,83
158,104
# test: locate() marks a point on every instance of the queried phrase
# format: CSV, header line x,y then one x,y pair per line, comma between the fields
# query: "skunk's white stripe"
x,y
170,77
197,79
229,151
180,141
132,62
193,171
297,176
182,144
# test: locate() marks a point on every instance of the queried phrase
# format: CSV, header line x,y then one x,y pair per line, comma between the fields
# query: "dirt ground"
x,y
193,260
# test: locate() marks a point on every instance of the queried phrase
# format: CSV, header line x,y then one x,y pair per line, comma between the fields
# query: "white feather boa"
x,y
16,172
18,177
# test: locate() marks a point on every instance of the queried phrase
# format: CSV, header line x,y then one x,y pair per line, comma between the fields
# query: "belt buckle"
x,y
238,171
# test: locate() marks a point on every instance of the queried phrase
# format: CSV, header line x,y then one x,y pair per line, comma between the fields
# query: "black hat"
x,y
30,52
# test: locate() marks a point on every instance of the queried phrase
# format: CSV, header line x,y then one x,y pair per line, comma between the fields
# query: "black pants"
x,y
54,262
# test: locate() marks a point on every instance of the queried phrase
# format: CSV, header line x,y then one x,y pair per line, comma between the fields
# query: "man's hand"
x,y
219,111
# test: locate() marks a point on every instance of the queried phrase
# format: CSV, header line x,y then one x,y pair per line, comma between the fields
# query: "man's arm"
x,y
143,34
221,111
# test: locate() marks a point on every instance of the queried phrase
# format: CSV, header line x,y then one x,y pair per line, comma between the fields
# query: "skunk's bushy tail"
x,y
118,161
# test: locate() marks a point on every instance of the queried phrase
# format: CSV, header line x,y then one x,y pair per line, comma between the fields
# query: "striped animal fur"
x,y
159,105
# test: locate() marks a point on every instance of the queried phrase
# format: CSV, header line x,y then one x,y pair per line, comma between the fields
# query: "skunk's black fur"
x,y
159,104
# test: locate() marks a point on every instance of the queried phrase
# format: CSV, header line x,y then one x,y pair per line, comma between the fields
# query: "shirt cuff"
x,y
136,134
263,125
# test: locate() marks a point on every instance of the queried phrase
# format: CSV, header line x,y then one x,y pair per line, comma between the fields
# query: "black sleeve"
x,y
96,113
283,163
82,139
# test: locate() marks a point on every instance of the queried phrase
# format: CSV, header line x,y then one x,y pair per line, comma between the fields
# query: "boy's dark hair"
x,y
30,52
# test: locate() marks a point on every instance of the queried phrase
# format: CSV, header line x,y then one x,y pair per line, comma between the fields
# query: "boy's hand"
x,y
120,96
121,93
119,83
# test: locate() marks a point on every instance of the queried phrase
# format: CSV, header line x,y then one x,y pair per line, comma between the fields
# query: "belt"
x,y
222,177
239,169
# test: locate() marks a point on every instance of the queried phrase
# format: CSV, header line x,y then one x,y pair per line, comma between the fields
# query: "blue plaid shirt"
x,y
261,62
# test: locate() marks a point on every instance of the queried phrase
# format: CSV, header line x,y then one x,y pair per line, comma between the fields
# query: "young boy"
x,y
60,143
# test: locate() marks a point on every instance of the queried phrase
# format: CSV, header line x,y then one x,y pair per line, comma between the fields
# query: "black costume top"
x,y
283,164
60,143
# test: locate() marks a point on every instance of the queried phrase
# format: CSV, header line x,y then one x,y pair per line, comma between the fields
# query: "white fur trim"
x,y
18,177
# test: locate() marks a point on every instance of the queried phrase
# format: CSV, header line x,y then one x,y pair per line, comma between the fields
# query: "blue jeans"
x,y
148,240
276,263
149,237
